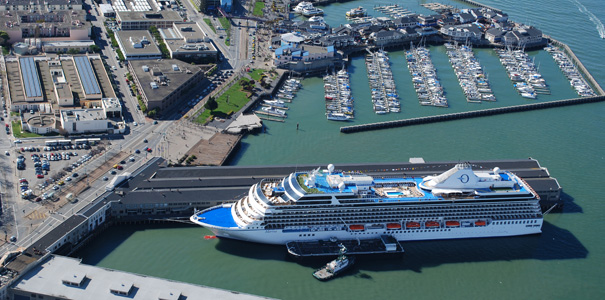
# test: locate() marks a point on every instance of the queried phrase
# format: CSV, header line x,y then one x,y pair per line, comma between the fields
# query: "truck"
x,y
117,181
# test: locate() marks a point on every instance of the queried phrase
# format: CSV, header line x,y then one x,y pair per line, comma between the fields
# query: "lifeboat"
x,y
480,223
431,224
209,237
412,225
452,223
356,227
393,226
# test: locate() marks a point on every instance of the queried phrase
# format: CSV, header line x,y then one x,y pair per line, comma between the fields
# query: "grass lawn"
x,y
256,73
237,100
209,22
227,27
258,8
26,134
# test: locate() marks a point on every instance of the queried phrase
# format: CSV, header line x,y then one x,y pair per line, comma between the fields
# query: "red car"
x,y
40,176
120,167
148,149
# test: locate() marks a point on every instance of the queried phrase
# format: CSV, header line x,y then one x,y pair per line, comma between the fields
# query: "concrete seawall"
x,y
469,114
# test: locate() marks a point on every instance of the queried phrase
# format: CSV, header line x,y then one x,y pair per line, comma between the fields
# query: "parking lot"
x,y
216,79
51,167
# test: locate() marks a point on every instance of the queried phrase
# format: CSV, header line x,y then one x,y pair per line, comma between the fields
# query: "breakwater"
x,y
469,114
578,64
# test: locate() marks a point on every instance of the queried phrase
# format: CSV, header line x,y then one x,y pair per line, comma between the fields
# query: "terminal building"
x,y
161,83
60,277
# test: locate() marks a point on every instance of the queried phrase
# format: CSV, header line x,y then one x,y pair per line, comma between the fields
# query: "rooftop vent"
x,y
153,85
186,29
145,68
175,68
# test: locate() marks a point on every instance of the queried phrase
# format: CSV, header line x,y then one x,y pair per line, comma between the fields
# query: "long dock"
x,y
578,64
469,114
386,244
480,5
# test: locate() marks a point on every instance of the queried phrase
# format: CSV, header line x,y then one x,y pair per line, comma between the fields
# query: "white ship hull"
x,y
279,237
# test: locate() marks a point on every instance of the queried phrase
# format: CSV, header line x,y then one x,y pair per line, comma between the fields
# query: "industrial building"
x,y
143,20
137,44
188,42
162,82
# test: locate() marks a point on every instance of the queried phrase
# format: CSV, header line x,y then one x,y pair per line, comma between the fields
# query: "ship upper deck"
x,y
397,189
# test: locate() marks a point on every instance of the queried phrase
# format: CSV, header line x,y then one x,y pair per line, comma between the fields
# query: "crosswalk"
x,y
37,215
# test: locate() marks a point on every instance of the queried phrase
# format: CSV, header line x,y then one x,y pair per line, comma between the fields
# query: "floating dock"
x,y
386,244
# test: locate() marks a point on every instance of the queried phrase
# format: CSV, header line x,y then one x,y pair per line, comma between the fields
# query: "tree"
x,y
73,51
211,104
4,37
95,49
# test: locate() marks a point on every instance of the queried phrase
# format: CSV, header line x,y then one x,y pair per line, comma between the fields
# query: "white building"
x,y
90,120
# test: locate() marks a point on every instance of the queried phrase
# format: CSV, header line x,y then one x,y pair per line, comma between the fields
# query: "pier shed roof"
x,y
101,283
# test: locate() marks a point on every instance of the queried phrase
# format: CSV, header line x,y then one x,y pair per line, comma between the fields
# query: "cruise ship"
x,y
324,204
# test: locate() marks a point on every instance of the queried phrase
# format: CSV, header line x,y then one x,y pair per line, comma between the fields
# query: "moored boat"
x,y
350,205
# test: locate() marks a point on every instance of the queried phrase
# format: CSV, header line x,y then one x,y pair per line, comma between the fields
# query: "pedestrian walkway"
x,y
38,214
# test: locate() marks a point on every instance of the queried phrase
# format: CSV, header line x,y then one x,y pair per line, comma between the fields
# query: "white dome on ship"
x,y
330,168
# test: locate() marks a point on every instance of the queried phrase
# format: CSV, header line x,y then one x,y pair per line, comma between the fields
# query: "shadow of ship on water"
x,y
554,243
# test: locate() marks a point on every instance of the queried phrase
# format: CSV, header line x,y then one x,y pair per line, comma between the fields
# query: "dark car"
x,y
137,151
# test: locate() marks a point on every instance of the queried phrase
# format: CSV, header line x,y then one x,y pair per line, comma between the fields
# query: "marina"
x,y
393,11
424,76
385,98
571,72
277,107
339,102
523,72
470,74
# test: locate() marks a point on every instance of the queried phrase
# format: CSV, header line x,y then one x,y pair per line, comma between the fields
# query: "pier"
x,y
578,63
480,5
469,114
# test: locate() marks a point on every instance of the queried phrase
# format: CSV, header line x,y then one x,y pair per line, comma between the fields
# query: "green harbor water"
x,y
566,261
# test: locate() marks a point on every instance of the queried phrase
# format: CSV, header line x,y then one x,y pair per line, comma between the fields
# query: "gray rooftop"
x,y
67,278
175,78
31,80
87,75
128,39
40,2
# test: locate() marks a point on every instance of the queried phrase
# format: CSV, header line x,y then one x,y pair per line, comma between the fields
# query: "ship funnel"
x,y
330,168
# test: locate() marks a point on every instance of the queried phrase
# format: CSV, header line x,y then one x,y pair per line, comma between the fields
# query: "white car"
x,y
135,124
18,141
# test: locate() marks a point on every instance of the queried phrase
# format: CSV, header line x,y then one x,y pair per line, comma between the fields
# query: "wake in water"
x,y
592,17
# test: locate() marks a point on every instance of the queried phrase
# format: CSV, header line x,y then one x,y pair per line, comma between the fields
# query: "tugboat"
x,y
336,266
